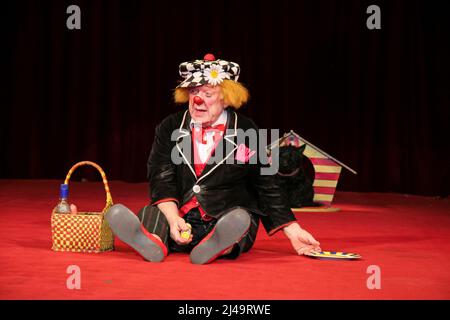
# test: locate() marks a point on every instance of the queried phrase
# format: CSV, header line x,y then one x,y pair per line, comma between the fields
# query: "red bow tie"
x,y
203,130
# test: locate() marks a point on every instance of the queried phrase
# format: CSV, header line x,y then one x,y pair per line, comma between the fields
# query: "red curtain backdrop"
x,y
377,100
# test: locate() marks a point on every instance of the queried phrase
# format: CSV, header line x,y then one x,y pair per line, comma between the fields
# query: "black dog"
x,y
296,176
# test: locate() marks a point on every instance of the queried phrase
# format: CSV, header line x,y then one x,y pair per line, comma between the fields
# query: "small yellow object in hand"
x,y
186,234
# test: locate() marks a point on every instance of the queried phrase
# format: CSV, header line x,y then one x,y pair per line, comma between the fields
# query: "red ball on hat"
x,y
209,57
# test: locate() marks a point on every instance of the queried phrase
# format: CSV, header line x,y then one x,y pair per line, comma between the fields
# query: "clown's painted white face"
x,y
206,103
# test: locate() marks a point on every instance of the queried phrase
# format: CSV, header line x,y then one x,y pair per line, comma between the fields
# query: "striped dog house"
x,y
327,169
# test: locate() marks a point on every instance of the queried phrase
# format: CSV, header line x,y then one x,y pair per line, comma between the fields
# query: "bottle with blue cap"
x,y
63,205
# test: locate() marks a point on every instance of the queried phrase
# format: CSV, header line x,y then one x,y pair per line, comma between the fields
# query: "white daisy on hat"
x,y
215,74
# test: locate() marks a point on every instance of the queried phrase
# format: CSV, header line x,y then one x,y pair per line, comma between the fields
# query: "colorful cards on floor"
x,y
333,255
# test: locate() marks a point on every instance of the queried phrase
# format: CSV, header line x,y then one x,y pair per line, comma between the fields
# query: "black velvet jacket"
x,y
221,186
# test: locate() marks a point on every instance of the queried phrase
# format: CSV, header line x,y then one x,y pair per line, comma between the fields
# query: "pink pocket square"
x,y
243,153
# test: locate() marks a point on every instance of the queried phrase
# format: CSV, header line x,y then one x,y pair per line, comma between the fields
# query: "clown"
x,y
209,209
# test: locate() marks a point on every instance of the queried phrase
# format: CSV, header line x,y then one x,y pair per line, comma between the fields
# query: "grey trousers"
x,y
155,222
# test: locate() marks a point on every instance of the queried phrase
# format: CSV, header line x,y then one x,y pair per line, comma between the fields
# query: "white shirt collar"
x,y
221,120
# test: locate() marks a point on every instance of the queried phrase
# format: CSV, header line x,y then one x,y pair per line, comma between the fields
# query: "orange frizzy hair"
x,y
234,94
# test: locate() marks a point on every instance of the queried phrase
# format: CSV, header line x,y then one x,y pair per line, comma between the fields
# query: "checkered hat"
x,y
207,71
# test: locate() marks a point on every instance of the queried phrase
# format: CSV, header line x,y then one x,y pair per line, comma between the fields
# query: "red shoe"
x,y
230,228
127,227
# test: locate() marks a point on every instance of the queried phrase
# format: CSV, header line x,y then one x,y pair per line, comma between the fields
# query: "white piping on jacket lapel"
x,y
184,133
226,137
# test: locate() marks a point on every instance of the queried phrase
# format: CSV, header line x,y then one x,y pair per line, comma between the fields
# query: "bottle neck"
x,y
64,194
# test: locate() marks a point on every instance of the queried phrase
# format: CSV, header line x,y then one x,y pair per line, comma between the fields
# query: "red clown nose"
x,y
198,101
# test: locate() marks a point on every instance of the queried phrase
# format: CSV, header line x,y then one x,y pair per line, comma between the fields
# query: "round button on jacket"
x,y
196,188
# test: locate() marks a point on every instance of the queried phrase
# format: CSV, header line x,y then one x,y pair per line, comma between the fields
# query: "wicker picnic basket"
x,y
84,231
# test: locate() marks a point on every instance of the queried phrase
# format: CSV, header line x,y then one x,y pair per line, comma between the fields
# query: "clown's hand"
x,y
302,241
177,226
